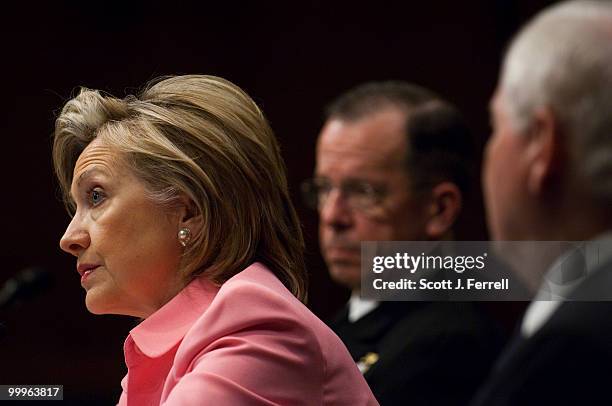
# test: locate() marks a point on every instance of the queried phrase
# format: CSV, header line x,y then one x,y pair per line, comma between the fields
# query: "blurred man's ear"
x,y
444,207
544,152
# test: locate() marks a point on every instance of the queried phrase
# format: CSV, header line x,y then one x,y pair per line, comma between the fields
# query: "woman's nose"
x,y
76,239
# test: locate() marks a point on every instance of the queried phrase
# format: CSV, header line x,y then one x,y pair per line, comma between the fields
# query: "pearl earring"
x,y
184,236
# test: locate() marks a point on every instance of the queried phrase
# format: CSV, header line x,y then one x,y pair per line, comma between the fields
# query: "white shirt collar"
x,y
359,307
560,280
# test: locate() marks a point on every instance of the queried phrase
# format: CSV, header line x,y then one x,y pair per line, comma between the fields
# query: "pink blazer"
x,y
249,342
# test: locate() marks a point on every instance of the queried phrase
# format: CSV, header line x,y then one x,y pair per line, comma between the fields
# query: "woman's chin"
x,y
94,308
94,303
98,303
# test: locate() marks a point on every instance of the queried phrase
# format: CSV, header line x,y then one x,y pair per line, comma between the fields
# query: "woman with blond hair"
x,y
181,217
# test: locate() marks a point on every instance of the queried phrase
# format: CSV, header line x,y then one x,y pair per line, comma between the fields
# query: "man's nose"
x,y
76,238
335,210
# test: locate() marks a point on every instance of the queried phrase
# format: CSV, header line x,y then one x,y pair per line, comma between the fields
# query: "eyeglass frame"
x,y
374,194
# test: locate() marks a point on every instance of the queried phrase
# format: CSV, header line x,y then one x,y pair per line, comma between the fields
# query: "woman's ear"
x,y
444,206
189,215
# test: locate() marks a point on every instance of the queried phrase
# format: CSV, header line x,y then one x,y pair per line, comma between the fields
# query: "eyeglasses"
x,y
359,195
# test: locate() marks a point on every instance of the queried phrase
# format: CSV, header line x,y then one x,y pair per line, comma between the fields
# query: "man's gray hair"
x,y
562,59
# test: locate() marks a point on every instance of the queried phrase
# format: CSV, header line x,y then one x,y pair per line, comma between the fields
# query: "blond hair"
x,y
204,138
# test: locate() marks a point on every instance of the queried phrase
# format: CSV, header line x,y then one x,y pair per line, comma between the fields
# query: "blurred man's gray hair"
x,y
562,60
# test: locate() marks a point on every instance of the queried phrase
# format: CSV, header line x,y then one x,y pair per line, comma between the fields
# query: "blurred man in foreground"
x,y
548,176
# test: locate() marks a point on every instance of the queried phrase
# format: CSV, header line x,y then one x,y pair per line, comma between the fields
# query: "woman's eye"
x,y
96,197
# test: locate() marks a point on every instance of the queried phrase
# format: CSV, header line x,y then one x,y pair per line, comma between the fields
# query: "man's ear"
x,y
544,152
189,215
443,208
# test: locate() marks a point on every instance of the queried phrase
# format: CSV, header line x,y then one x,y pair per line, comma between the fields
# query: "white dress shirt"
x,y
359,307
563,277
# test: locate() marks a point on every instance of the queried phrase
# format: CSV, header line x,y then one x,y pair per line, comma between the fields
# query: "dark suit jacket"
x,y
430,353
567,362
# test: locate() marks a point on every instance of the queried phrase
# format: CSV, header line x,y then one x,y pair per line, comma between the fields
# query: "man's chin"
x,y
345,274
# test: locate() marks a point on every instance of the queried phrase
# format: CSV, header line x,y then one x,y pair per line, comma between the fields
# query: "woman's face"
x,y
126,246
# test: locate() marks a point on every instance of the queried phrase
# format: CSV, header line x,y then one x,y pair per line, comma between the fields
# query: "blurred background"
x,y
291,57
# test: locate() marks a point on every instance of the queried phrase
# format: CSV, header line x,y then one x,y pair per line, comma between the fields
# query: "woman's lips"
x,y
86,271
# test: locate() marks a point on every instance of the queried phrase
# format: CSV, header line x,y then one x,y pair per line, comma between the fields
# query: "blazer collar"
x,y
165,328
